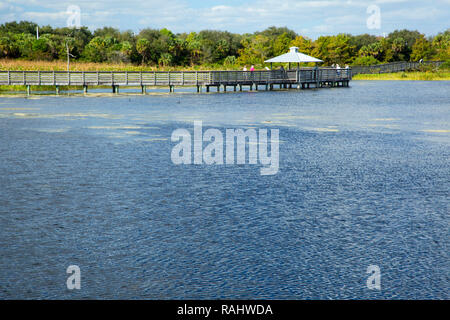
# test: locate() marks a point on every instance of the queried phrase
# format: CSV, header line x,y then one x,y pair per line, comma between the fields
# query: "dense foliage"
x,y
210,47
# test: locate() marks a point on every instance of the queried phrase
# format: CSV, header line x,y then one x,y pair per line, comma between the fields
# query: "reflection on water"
x,y
364,179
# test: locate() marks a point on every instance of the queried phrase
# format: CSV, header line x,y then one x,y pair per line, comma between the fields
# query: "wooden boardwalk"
x,y
394,67
268,79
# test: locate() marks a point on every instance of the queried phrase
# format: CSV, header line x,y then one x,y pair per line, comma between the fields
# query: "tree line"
x,y
18,40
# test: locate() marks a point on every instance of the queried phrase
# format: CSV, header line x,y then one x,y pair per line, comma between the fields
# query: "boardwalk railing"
x,y
394,67
172,78
101,78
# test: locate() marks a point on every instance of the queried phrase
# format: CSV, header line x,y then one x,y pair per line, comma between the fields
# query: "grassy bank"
x,y
415,75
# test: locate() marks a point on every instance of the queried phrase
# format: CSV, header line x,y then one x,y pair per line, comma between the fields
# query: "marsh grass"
x,y
415,75
25,65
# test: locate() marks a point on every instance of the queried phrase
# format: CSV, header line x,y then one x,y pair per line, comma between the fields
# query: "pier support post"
x,y
256,87
28,90
57,90
85,89
251,87
171,89
218,88
207,88
234,88
240,87
144,89
199,89
224,88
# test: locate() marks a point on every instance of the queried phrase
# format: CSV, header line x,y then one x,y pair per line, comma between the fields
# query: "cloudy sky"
x,y
311,18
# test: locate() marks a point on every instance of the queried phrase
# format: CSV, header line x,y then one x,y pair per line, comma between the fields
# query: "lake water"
x,y
364,179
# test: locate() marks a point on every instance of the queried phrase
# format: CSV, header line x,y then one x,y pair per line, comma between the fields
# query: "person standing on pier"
x,y
282,72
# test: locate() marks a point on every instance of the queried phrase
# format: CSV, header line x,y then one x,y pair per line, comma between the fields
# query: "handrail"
x,y
396,66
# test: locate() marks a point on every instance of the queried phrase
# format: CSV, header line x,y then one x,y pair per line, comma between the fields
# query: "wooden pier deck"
x,y
301,78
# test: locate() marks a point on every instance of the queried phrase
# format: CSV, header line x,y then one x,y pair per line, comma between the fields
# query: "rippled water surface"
x,y
364,179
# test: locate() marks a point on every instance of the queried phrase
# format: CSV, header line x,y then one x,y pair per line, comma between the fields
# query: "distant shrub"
x,y
445,65
365,61
426,67
229,61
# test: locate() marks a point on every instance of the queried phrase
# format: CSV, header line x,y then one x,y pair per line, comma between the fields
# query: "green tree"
x,y
274,32
99,48
409,37
281,44
230,61
303,44
441,45
194,46
255,50
362,40
341,49
365,61
14,27
165,59
143,46
422,49
8,48
24,42
334,49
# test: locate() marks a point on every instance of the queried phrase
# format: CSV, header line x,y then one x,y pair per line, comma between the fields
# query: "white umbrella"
x,y
294,56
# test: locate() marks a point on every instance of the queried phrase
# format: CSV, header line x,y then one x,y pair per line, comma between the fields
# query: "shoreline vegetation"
x,y
438,75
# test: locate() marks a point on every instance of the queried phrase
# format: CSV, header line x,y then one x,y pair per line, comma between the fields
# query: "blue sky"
x,y
310,18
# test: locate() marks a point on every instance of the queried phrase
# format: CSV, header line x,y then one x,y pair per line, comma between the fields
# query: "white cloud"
x,y
35,16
